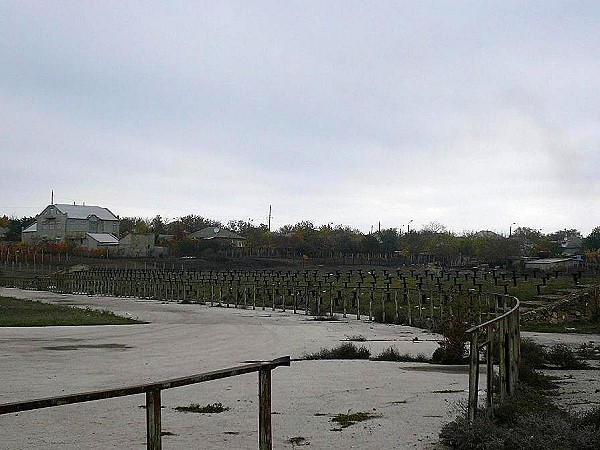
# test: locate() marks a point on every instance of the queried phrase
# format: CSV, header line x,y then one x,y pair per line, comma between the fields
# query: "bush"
x,y
452,349
535,356
548,430
561,355
392,354
344,351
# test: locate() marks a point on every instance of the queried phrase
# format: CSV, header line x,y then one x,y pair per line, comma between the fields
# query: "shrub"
x,y
548,430
452,349
561,355
392,354
533,354
344,351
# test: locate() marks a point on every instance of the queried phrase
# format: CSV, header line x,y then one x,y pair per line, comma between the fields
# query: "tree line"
x,y
432,242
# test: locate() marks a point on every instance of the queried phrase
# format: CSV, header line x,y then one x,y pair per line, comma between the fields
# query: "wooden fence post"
x,y
473,376
264,409
153,426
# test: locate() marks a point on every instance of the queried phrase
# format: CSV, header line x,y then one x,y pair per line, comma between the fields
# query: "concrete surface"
x,y
413,400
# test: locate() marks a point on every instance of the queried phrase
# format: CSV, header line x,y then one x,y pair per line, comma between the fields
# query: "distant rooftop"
x,y
104,238
216,232
84,211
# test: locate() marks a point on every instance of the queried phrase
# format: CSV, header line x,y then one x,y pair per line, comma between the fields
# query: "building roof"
x,y
215,232
487,234
104,238
31,228
572,242
84,211
549,260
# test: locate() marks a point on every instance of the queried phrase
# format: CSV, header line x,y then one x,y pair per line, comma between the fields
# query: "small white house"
x,y
551,264
218,233
102,241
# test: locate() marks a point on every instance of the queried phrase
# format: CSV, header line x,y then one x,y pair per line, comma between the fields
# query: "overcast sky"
x,y
474,114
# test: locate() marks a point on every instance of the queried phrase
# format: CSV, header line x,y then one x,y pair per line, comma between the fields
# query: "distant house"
x,y
61,222
487,234
571,245
135,245
551,264
28,234
218,233
102,241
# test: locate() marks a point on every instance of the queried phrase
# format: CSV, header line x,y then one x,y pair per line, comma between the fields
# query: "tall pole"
x,y
269,218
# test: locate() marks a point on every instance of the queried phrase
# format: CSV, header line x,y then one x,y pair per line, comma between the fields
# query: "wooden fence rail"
x,y
502,334
153,398
391,300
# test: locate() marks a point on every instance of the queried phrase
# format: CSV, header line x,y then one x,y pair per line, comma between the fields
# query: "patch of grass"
x,y
29,313
344,351
213,408
392,354
569,327
345,420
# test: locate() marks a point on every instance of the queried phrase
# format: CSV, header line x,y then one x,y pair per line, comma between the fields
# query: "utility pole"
x,y
269,218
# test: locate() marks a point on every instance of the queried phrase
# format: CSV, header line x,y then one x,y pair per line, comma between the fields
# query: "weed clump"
x,y
344,351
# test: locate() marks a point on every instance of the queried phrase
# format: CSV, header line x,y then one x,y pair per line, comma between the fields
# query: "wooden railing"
x,y
501,332
153,398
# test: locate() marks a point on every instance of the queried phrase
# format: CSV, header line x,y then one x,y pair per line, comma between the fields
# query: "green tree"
x,y
133,225
158,225
191,223
592,241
